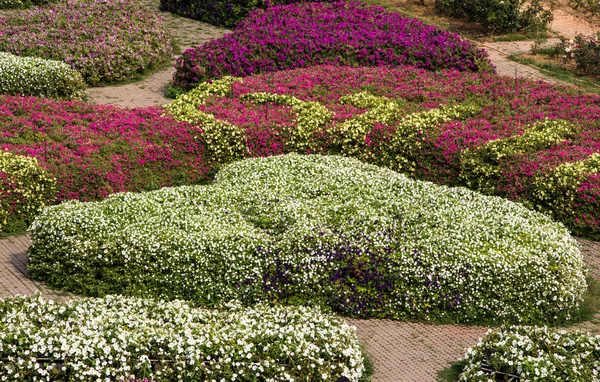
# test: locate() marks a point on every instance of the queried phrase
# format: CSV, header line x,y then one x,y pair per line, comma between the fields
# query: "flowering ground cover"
x,y
299,35
321,230
118,338
39,77
77,33
95,150
534,354
531,142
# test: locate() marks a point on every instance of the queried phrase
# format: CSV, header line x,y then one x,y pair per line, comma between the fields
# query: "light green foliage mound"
x,y
39,77
25,188
117,337
324,230
536,354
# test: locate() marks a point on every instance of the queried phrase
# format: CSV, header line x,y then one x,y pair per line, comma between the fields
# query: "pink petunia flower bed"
x,y
76,32
96,150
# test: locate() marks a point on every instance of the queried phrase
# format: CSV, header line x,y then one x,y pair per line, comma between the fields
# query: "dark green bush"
x,y
9,4
225,13
498,15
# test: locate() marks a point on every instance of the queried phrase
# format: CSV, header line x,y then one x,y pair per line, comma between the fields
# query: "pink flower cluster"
x,y
96,150
106,41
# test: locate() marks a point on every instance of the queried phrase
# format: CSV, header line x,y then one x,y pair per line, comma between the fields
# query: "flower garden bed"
x,y
39,77
119,338
96,150
531,142
326,230
76,32
535,354
304,34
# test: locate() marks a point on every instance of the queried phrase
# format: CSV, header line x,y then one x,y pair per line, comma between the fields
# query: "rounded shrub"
x,y
322,230
39,77
123,339
25,188
347,33
76,32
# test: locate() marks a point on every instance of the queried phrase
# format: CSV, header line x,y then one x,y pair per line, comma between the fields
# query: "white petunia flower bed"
x,y
535,354
39,77
321,230
116,338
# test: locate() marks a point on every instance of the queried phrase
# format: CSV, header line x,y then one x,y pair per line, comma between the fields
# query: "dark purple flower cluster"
x,y
304,34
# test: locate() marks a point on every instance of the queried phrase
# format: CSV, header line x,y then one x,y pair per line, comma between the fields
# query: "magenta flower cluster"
x,y
96,150
107,41
346,33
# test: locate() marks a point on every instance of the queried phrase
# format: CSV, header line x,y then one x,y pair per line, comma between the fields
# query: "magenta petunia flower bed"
x,y
96,150
348,33
107,41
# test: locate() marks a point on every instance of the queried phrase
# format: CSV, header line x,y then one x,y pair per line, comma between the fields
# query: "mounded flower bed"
x,y
118,338
536,354
96,150
8,4
304,34
76,32
325,230
25,188
39,77
534,143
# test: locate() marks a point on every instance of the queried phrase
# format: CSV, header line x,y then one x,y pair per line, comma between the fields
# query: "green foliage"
x,y
555,192
24,189
584,50
591,6
499,15
480,165
39,77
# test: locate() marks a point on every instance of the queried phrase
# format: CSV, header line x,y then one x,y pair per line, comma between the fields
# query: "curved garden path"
x,y
400,351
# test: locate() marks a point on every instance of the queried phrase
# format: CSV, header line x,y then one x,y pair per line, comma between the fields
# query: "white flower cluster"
x,y
116,338
536,354
327,230
39,77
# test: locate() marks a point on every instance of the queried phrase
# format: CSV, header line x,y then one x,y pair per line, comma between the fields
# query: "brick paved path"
x,y
400,351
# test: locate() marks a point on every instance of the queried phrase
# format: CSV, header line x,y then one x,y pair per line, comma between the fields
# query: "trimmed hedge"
x,y
344,33
39,77
76,32
224,13
534,143
535,354
121,339
322,230
24,189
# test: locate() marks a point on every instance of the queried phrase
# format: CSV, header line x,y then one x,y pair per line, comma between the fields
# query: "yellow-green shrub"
x,y
25,188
